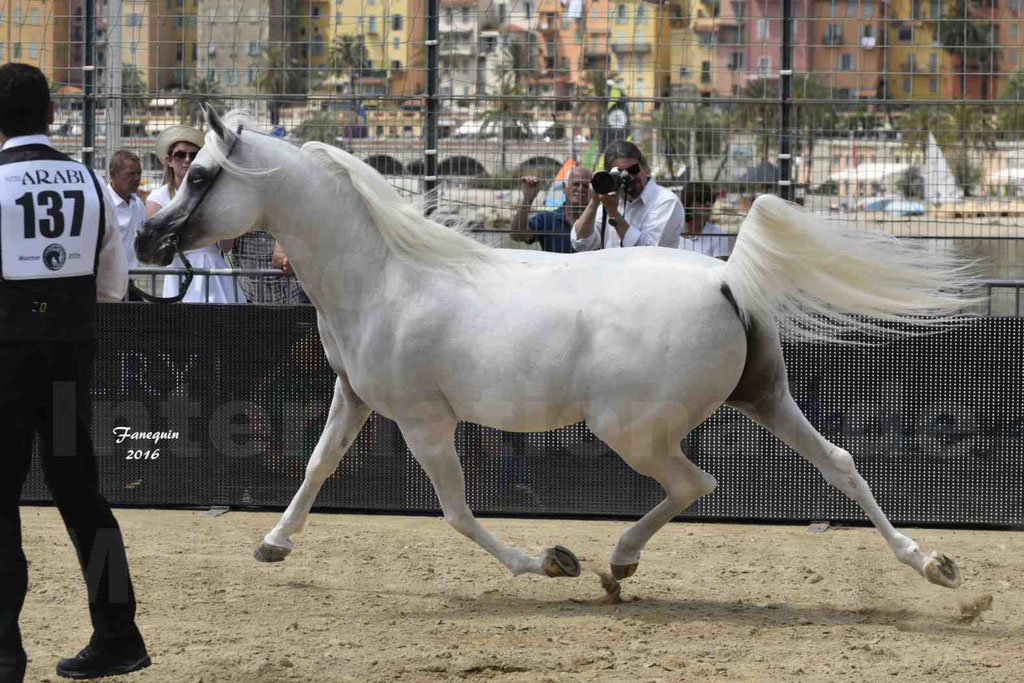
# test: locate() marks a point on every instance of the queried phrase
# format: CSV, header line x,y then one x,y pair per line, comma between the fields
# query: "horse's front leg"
x,y
346,417
432,444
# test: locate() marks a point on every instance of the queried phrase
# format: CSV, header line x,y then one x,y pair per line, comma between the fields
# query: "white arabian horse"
x,y
427,327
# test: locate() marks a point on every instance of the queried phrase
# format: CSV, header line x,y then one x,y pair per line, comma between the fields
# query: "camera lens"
x,y
604,182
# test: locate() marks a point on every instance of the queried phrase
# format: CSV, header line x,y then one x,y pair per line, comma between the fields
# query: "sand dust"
x,y
378,598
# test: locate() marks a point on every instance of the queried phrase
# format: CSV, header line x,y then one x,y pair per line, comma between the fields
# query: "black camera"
x,y
606,182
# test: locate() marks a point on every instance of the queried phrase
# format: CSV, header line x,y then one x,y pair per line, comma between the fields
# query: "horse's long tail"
x,y
823,280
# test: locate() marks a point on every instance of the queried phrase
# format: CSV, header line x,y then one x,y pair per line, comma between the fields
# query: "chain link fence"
x,y
905,116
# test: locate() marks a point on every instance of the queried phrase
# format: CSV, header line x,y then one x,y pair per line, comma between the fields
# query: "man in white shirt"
x,y
700,234
129,211
59,254
640,214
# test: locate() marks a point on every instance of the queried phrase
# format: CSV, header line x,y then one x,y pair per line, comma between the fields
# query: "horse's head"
x,y
216,200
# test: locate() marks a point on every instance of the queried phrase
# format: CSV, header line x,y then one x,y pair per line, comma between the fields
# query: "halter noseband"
x,y
173,241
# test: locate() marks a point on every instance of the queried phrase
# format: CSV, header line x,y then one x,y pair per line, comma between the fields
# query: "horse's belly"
x,y
519,416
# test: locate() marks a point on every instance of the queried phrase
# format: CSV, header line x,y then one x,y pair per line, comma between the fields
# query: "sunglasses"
x,y
182,154
632,170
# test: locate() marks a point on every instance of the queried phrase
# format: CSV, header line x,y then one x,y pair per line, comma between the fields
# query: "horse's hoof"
x,y
270,553
624,571
560,561
942,571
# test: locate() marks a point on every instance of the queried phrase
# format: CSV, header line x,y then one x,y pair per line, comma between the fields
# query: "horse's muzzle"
x,y
154,243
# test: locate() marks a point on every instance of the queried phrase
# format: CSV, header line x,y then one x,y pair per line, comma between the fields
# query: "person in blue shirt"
x,y
551,228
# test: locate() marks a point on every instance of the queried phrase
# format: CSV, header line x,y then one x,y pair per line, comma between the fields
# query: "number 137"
x,y
52,202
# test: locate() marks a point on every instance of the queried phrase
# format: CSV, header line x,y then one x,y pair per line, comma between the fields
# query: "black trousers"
x,y
44,391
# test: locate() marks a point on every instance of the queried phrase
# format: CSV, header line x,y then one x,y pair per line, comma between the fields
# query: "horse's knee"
x,y
685,492
840,470
461,520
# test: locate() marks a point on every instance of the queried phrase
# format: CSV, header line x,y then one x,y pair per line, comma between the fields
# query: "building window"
x,y
705,38
254,49
621,14
933,62
232,76
833,7
933,85
318,45
251,77
1013,5
397,43
907,85
705,72
33,17
373,24
396,22
869,8
337,18
735,61
134,19
640,63
33,50
764,65
762,29
212,76
833,34
906,34
641,14
1014,32
851,8
867,31
846,62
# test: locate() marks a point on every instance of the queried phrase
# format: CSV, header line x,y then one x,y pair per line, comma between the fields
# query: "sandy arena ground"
x,y
378,598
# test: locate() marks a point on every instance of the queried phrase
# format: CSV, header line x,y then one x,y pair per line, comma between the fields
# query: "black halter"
x,y
173,240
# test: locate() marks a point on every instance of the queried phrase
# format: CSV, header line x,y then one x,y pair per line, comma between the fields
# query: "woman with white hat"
x,y
176,147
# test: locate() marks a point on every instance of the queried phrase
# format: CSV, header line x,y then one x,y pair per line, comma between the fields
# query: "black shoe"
x,y
94,663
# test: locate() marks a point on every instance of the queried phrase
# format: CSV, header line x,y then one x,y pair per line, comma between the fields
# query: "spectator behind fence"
x,y
700,234
257,249
576,192
176,147
640,213
125,172
52,272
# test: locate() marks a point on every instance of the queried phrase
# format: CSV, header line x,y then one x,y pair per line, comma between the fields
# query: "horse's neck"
x,y
328,235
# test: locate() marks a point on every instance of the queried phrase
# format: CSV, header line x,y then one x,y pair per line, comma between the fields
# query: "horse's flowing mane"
x,y
409,235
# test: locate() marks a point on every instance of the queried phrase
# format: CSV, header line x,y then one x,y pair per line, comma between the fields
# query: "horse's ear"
x,y
213,121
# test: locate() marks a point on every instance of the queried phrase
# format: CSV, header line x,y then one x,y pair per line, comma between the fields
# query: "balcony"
x,y
597,47
634,48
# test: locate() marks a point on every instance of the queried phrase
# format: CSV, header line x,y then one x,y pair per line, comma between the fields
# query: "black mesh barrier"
x,y
936,426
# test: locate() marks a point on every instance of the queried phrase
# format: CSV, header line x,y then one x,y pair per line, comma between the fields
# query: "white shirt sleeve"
x,y
591,242
112,269
661,226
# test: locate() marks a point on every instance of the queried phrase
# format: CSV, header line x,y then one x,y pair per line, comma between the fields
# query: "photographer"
x,y
628,209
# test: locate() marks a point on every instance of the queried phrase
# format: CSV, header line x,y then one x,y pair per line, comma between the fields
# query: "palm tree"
x,y
917,122
197,91
1010,117
283,78
808,122
348,58
321,127
697,133
970,42
133,90
511,112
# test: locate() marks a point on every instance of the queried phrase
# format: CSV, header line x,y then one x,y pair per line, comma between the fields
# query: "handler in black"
x,y
59,254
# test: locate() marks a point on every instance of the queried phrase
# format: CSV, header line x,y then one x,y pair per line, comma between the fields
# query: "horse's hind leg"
x,y
764,397
344,420
432,444
652,449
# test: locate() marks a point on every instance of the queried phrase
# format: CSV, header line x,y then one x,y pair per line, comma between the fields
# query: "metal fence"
x,y
902,115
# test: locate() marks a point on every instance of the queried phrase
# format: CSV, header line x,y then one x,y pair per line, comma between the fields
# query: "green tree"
x,y
969,41
1010,112
322,126
698,132
283,78
133,91
348,57
911,183
197,91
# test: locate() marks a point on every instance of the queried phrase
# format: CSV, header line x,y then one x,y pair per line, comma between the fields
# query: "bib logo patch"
x,y
54,257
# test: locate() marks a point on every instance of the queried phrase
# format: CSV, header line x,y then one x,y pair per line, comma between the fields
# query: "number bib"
x,y
49,220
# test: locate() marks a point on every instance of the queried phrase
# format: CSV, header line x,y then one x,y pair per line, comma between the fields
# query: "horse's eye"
x,y
196,179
